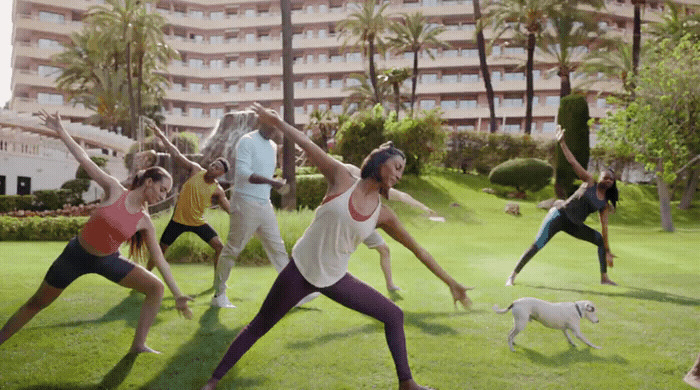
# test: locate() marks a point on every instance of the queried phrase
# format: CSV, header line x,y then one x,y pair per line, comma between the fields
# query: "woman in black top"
x,y
570,216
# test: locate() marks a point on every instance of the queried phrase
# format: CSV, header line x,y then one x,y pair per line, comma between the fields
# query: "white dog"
x,y
562,315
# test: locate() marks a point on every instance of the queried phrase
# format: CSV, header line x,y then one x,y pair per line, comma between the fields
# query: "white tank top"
x,y
323,252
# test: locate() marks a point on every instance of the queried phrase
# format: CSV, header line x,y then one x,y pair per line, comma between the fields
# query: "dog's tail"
x,y
501,311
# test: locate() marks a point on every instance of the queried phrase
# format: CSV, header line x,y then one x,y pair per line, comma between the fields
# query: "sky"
x,y
5,50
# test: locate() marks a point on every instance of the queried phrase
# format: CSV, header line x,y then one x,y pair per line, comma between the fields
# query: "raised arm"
x,y
390,223
106,181
406,198
149,233
580,171
329,167
173,150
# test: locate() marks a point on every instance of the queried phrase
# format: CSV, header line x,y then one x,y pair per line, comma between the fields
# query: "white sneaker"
x,y
308,299
511,280
222,301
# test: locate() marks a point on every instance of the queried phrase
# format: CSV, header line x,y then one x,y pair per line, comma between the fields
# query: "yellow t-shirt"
x,y
195,197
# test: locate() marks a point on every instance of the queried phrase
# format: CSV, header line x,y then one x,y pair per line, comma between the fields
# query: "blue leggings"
x,y
553,223
290,287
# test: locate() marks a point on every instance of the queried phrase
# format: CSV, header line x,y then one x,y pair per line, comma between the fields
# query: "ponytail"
x,y
156,174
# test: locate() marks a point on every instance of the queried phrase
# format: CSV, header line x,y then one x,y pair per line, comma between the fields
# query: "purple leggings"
x,y
290,287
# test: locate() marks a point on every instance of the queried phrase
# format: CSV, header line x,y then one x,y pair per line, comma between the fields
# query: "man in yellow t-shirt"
x,y
195,197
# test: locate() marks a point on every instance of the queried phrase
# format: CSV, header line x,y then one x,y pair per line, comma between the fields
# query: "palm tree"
x,y
569,30
677,21
395,77
365,28
614,61
363,94
481,47
525,19
288,148
414,34
324,122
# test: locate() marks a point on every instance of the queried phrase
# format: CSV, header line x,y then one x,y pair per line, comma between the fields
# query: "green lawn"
x,y
648,328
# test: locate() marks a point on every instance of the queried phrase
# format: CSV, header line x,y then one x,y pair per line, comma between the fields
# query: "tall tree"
x,y
636,37
395,77
414,34
526,19
289,152
365,28
566,40
363,94
661,124
676,21
481,47
614,61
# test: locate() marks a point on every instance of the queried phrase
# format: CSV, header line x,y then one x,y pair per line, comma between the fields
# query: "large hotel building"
x,y
231,55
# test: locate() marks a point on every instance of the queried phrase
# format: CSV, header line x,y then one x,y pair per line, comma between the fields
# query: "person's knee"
x,y
216,245
395,315
598,239
154,287
37,303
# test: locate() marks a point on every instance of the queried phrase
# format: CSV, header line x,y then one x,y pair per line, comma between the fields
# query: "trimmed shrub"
x,y
421,139
525,174
310,192
76,188
81,173
40,228
573,117
50,199
15,202
360,134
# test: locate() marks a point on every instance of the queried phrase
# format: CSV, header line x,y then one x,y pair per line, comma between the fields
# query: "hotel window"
x,y
45,43
216,15
309,58
322,107
196,112
514,76
216,113
337,108
552,100
48,71
197,38
196,87
549,127
233,88
354,57
215,88
450,53
309,34
299,110
467,103
513,51
177,111
322,83
428,78
511,128
496,51
450,78
309,83
323,33
49,98
448,104
216,39
250,37
195,63
309,108
177,87
496,76
51,17
513,102
336,83
470,53
250,61
197,14
249,86
250,13
337,58
298,85
466,128
470,78
322,58
216,64
427,104
264,62
265,86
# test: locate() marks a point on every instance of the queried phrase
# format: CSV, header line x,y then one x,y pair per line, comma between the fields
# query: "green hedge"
x,y
40,228
15,202
310,191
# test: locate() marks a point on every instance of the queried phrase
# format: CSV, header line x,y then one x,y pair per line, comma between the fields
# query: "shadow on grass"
x,y
195,360
571,356
112,380
635,293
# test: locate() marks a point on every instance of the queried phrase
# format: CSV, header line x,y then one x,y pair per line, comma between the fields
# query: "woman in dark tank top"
x,y
570,216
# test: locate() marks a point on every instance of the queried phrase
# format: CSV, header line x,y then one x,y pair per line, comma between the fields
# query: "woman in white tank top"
x,y
350,212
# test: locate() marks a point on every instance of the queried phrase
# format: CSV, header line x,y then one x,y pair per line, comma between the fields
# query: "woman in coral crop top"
x,y
122,216
350,212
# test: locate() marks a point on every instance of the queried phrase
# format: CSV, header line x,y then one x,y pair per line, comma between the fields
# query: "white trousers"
x,y
247,218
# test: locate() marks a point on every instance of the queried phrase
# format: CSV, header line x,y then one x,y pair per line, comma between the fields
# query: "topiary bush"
x,y
310,191
50,199
360,134
422,139
525,174
573,117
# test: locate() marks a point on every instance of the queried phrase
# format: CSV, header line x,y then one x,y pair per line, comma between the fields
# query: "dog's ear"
x,y
590,307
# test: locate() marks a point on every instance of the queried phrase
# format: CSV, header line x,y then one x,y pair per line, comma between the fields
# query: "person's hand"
x,y
181,306
52,121
609,258
266,116
283,187
459,294
559,134
151,124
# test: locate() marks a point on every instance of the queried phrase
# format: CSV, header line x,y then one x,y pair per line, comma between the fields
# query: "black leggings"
x,y
553,223
290,287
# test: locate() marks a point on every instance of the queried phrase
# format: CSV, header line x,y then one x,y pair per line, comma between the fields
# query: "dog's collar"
x,y
578,309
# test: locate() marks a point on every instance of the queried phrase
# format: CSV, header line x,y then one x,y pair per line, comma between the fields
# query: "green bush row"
x,y
482,151
15,202
310,191
40,228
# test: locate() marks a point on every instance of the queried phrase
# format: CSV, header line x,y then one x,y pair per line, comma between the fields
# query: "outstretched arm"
x,y
222,200
329,167
580,171
106,181
173,150
157,255
391,224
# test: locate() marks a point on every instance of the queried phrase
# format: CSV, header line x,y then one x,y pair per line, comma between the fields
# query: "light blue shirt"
x,y
254,154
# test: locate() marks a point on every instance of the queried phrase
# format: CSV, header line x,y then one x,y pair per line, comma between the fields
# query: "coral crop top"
x,y
109,226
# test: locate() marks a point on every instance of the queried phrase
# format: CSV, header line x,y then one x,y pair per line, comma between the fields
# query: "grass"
x,y
648,325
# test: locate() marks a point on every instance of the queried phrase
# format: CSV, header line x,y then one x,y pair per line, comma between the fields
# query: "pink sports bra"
x,y
109,226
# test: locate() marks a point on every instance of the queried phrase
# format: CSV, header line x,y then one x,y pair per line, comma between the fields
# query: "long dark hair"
x,y
373,162
156,174
612,194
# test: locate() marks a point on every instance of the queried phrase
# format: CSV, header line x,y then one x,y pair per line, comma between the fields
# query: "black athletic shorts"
x,y
174,229
74,262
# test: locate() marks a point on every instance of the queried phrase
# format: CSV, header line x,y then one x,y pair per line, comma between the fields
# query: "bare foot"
x,y
393,287
511,279
606,280
412,385
142,349
211,385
